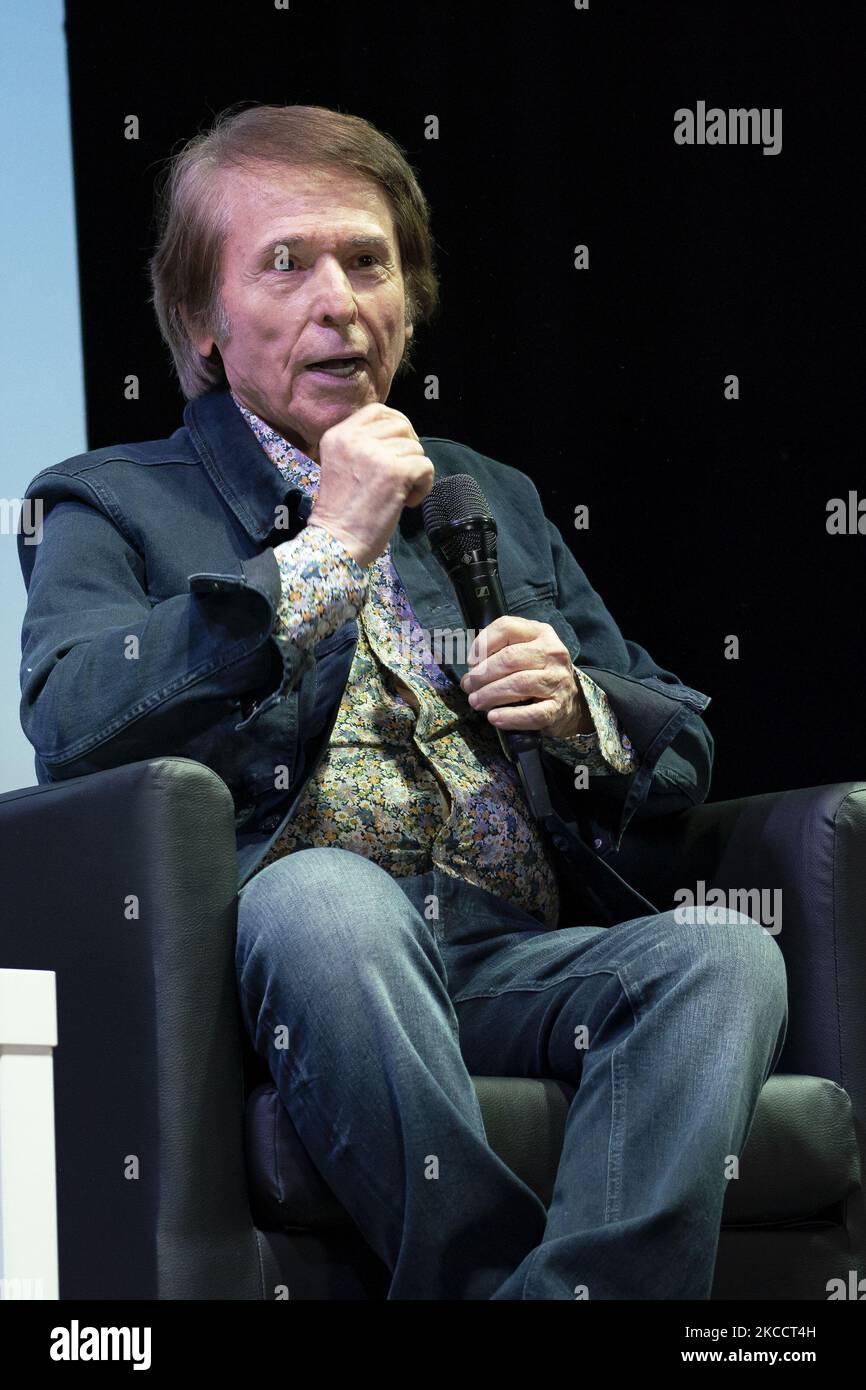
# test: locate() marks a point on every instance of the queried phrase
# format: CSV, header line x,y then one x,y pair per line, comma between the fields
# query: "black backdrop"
x,y
707,516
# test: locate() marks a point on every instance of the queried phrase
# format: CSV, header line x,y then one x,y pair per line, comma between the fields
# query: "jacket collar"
x,y
247,480
238,466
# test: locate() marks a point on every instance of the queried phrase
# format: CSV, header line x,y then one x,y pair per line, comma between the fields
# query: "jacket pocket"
x,y
267,749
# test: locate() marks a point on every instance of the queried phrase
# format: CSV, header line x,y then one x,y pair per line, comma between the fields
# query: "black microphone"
x,y
463,536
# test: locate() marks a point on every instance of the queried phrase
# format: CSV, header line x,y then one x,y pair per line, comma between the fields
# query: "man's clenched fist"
x,y
372,466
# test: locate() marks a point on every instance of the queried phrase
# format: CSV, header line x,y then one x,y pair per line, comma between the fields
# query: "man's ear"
x,y
410,329
204,343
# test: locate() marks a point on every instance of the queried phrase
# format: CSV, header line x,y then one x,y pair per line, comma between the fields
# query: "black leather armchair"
x,y
180,1174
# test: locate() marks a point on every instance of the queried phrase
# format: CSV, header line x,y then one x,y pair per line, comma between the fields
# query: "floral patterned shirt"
x,y
413,777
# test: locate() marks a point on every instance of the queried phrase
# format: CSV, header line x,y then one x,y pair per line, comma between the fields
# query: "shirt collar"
x,y
295,466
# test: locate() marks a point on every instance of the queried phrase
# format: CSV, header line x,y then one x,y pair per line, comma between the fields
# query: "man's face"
x,y
337,288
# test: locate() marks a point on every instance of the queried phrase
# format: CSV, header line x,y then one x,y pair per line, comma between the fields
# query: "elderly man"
x,y
236,594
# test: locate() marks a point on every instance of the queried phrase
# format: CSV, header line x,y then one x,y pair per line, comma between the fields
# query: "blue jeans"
x,y
375,999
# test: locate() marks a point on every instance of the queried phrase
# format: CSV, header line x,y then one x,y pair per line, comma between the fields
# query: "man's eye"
x,y
289,262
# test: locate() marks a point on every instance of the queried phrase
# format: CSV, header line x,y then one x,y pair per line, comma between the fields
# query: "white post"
x,y
28,1192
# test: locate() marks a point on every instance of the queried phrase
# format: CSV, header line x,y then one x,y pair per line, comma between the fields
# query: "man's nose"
x,y
331,292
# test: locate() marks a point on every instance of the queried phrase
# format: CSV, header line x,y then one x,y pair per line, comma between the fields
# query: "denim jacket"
x,y
149,632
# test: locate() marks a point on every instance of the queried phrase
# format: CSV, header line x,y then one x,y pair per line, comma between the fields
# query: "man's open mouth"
x,y
338,366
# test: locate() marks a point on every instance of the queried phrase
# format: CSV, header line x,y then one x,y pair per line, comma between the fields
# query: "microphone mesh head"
x,y
454,499
452,503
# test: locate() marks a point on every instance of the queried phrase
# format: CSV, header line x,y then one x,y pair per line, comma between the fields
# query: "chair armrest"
x,y
124,883
811,845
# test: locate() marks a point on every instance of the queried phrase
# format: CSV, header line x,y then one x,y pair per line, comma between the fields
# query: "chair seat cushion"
x,y
800,1156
